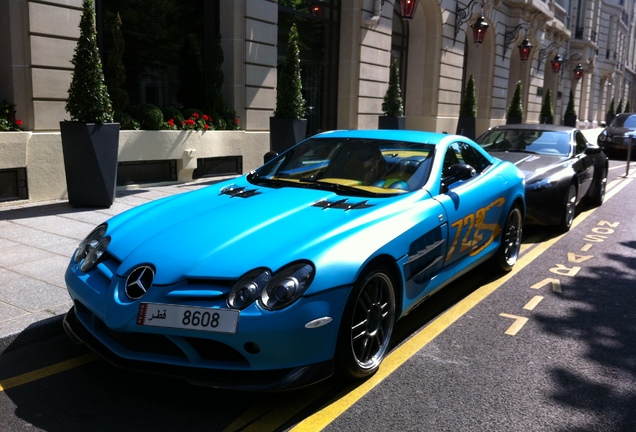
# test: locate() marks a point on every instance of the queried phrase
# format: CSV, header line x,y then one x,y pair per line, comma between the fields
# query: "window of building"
x,y
318,30
167,51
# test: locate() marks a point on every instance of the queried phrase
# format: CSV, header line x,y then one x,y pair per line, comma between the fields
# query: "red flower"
x,y
195,115
235,120
205,117
206,126
171,122
190,122
18,122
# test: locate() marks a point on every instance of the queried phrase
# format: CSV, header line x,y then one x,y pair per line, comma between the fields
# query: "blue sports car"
x,y
299,269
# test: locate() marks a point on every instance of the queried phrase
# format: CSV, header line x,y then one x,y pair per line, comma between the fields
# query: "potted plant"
x,y
466,125
515,110
619,108
8,120
547,114
288,125
90,141
392,104
569,119
610,113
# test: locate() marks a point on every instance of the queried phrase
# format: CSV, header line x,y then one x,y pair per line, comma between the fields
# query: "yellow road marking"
x,y
47,371
534,301
517,325
554,283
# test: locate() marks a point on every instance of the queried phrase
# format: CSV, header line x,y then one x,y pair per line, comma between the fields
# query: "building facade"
x,y
346,49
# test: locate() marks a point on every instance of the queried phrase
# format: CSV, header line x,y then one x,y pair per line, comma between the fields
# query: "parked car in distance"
x,y
617,135
561,168
299,269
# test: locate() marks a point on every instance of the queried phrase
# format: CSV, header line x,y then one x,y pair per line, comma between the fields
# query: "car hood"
x,y
227,229
530,163
617,130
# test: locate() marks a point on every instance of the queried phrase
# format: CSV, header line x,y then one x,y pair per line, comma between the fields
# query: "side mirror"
x,y
592,150
457,172
269,156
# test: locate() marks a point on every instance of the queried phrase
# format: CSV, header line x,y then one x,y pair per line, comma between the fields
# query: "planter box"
x,y
390,122
90,162
187,146
286,133
13,148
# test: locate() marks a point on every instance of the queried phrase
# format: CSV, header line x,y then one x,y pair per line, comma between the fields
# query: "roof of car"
x,y
387,134
543,127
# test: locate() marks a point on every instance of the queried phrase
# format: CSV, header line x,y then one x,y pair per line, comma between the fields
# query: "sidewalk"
x,y
36,244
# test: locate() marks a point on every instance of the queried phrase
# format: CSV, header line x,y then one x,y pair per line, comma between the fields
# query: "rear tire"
x,y
508,251
597,196
367,325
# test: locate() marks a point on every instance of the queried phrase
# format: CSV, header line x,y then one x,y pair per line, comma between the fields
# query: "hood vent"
x,y
240,192
342,204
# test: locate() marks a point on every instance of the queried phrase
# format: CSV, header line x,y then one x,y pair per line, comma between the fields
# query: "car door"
x,y
583,165
473,206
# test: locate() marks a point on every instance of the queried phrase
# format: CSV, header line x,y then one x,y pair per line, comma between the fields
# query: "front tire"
x,y
569,209
508,251
367,325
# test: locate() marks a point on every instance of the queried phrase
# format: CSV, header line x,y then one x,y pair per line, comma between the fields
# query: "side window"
x,y
465,154
581,143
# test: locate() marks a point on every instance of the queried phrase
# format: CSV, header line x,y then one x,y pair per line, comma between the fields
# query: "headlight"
x,y
543,184
248,288
92,248
602,136
287,286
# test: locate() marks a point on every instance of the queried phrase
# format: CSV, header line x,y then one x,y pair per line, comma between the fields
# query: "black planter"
x,y
569,120
285,133
513,119
391,122
548,119
90,162
466,126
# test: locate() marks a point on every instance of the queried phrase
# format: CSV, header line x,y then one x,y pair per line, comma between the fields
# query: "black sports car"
x,y
617,134
560,165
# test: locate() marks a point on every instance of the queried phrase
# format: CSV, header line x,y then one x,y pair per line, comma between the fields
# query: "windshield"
x,y
626,121
526,140
366,166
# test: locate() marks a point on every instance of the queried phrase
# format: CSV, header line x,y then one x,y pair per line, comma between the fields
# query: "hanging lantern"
x,y
524,49
479,29
578,72
557,62
407,8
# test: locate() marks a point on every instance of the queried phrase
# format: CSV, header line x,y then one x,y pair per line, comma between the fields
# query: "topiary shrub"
x,y
547,113
290,103
149,116
172,113
515,110
392,104
569,118
88,100
126,121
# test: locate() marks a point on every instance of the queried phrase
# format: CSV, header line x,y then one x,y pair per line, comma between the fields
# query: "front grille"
x,y
208,352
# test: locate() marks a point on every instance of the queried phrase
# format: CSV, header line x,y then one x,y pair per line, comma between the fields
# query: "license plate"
x,y
188,317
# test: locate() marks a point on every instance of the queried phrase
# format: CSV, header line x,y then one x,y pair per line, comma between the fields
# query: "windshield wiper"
x,y
339,188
